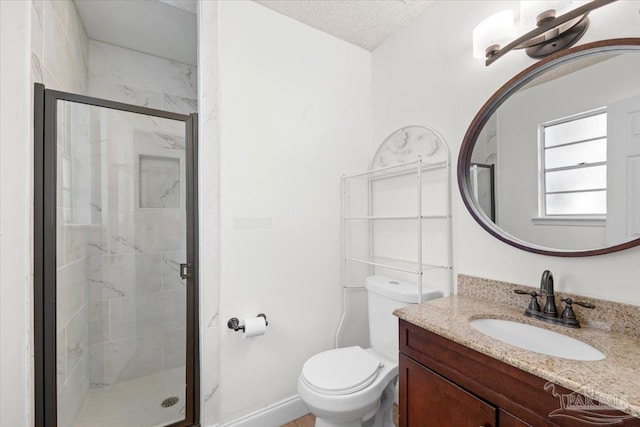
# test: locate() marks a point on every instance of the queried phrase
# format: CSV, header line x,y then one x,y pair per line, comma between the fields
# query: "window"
x,y
574,166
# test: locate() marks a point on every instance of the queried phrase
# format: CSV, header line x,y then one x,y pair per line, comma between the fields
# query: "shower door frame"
x,y
44,250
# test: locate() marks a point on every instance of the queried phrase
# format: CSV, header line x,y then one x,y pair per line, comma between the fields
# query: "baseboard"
x,y
273,415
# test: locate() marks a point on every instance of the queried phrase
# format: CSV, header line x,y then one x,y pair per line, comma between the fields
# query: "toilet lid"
x,y
341,371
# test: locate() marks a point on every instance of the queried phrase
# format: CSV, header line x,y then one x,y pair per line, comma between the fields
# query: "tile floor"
x,y
309,420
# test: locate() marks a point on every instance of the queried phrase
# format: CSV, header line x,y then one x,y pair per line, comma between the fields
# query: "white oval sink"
x,y
537,339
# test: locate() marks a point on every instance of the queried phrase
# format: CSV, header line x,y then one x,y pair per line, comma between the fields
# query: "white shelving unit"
x,y
417,265
396,217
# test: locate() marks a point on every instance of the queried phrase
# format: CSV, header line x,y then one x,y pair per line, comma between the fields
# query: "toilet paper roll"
x,y
254,326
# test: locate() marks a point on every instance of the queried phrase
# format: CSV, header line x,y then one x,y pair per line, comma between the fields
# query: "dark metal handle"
x,y
570,301
521,292
185,271
585,304
533,303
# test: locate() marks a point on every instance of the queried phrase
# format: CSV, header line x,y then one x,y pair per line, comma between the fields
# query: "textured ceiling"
x,y
365,23
167,28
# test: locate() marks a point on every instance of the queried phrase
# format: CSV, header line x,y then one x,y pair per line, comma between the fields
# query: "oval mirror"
x,y
551,162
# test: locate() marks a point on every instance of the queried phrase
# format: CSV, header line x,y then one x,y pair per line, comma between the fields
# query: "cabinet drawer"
x,y
505,419
429,400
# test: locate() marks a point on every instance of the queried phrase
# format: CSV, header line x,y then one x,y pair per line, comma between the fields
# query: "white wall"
x,y
294,115
426,75
15,201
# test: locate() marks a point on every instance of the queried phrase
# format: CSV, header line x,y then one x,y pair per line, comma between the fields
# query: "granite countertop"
x,y
614,379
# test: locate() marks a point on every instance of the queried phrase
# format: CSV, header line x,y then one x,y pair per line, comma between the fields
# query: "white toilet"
x,y
353,387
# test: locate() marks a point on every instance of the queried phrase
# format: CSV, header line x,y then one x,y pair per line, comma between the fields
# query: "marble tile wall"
x,y
59,46
74,229
159,182
122,304
59,57
209,212
137,298
136,78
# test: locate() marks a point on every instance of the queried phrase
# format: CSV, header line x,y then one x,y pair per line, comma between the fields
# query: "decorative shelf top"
x,y
407,143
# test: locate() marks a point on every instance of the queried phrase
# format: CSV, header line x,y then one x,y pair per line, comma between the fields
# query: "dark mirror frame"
x,y
490,107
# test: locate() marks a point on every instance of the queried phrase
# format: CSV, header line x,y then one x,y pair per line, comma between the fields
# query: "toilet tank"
x,y
384,295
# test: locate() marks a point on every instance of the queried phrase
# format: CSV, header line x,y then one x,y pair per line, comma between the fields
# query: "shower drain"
x,y
169,401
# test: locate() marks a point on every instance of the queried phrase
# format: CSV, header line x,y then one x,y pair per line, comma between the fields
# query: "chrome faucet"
x,y
550,312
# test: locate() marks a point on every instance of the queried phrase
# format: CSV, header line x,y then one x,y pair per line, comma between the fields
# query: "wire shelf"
x,y
439,216
398,170
396,264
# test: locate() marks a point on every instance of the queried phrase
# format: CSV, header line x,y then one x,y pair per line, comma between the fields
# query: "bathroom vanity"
x,y
443,383
453,375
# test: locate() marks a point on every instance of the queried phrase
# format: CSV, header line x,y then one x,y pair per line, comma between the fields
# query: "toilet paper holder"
x,y
234,323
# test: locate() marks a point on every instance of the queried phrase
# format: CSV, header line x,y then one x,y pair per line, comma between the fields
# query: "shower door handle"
x,y
185,271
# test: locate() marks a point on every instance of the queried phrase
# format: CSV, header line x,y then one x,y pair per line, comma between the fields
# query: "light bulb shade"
x,y
498,29
531,9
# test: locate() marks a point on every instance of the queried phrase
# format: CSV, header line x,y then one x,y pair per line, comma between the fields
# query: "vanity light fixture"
x,y
558,25
493,32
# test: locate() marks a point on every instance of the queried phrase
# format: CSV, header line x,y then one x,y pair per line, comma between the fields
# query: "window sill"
x,y
571,221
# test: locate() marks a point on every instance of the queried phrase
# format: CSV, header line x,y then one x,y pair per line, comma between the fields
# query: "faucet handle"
x,y
568,317
533,304
567,313
570,301
521,292
585,304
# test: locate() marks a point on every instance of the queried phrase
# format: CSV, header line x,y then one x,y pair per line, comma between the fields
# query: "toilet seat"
x,y
341,371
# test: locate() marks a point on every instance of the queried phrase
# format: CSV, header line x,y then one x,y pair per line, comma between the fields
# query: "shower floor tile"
x,y
135,403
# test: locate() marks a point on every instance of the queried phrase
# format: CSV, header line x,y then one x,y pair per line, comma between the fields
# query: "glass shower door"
x,y
123,206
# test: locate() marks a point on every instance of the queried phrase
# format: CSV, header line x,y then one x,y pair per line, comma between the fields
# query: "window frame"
x,y
586,219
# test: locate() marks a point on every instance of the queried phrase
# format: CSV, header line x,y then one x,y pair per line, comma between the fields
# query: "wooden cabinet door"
x,y
429,400
505,419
